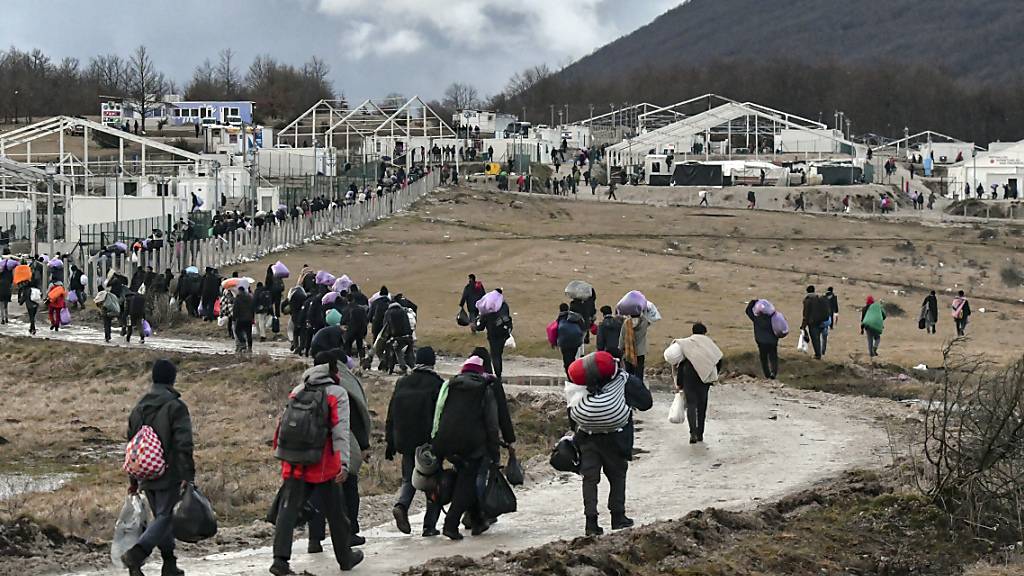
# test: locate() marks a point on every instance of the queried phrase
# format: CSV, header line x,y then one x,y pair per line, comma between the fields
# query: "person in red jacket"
x,y
56,298
323,479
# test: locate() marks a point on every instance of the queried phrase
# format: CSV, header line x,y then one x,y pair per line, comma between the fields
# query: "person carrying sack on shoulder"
x,y
961,313
697,361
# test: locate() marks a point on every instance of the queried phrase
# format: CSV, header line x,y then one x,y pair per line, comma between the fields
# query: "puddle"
x,y
12,485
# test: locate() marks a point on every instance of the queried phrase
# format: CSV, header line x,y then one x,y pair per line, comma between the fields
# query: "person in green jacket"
x,y
872,323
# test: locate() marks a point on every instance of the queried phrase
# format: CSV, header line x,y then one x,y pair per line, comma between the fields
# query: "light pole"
x,y
51,171
16,92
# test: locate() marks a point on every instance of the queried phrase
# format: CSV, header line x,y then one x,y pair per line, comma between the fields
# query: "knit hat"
x,y
425,356
594,368
333,317
475,365
870,300
164,372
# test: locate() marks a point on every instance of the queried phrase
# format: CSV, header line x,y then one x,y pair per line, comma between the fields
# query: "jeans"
x,y
961,326
696,406
769,354
600,452
814,335
243,336
294,496
824,339
874,339
407,492
160,531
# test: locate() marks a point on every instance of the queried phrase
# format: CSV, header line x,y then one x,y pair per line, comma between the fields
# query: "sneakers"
x,y
402,519
593,528
693,439
620,521
353,560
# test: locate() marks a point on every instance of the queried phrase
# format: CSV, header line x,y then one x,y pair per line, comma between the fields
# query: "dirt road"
x,y
761,444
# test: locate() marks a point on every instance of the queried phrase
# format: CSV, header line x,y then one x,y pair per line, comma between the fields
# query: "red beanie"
x,y
595,368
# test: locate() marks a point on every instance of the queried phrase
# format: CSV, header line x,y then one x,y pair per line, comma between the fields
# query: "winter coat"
x,y
357,320
816,310
571,329
498,324
608,335
359,417
377,310
639,335
411,411
763,331
327,338
262,301
931,305
467,422
136,307
210,287
6,281
314,307
163,410
873,317
585,308
686,376
244,307
472,292
295,302
396,321
337,449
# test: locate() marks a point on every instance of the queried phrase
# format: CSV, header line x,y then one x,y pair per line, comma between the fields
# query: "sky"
x,y
374,47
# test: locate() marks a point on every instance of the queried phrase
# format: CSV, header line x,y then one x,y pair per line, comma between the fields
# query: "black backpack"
x,y
304,427
821,309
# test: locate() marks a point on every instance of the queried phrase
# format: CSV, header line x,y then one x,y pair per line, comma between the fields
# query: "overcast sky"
x,y
373,46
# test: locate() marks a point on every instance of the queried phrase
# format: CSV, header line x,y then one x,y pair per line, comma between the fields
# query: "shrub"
x,y
893,310
1012,275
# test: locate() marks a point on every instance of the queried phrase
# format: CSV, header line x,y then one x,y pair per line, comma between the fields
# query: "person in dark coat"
x,y
136,315
6,283
472,292
767,341
209,293
408,426
358,297
74,285
608,332
696,390
588,310
315,318
32,308
377,310
243,314
467,436
499,327
296,299
931,312
356,323
330,337
508,432
275,286
263,308
163,410
571,328
397,335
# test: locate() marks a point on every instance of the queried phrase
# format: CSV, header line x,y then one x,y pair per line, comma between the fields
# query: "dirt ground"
x,y
694,264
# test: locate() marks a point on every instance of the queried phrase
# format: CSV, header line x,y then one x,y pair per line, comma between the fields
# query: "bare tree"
x,y
203,85
228,77
460,96
146,85
527,79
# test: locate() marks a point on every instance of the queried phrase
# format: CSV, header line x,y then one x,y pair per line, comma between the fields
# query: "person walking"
x,y
499,327
356,326
767,341
703,198
872,324
296,298
696,361
961,313
571,328
930,312
56,300
465,432
29,296
308,470
243,317
6,284
263,309
799,203
163,410
329,338
136,316
472,292
601,396
833,306
816,312
408,426
397,336
633,343
611,191
110,309
751,200
275,286
608,332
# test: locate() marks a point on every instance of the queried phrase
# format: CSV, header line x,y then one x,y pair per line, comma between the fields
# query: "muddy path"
x,y
762,443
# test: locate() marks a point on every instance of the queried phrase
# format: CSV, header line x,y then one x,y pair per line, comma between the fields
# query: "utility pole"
x,y
51,171
552,115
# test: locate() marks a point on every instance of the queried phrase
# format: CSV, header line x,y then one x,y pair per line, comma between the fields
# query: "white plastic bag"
x,y
651,312
511,342
172,302
222,321
677,412
803,344
131,523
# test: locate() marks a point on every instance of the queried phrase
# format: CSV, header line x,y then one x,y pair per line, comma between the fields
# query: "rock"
x,y
3,441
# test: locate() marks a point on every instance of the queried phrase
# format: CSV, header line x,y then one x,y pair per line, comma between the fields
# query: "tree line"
x,y
32,84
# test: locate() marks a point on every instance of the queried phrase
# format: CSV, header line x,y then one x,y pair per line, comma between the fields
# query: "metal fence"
x,y
246,245
22,222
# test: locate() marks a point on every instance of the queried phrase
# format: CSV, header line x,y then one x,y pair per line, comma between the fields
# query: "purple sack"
x,y
9,263
325,278
342,284
329,299
56,263
763,307
280,270
634,303
65,317
72,297
779,325
490,303
147,330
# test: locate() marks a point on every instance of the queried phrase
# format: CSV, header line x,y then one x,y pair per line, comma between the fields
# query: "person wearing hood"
x,y
961,313
56,299
571,328
930,312
330,337
357,323
465,432
697,361
165,412
136,316
296,298
587,309
397,334
359,441
321,480
210,291
872,324
608,332
408,426
601,396
263,307
315,317
633,343
75,285
472,292
377,309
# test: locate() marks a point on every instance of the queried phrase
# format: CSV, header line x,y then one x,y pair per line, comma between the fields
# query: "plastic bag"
x,y
633,303
565,456
677,412
173,302
651,312
513,469
280,270
511,342
194,519
579,290
803,344
72,297
763,307
491,302
222,321
147,330
131,523
779,325
499,498
275,325
65,317
462,318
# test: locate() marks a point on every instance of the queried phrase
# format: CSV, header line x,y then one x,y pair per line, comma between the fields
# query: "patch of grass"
x,y
907,247
1012,275
988,234
893,310
694,286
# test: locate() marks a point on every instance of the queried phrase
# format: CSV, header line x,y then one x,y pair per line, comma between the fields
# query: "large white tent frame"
x,y
311,126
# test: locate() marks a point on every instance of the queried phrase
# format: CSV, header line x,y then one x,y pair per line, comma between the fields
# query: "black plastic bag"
x,y
513,469
498,496
194,519
462,319
275,325
565,456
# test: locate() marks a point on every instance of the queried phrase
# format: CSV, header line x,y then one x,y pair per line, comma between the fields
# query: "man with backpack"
x,y
608,332
816,313
397,336
499,327
601,396
110,308
31,297
312,442
160,411
408,426
571,328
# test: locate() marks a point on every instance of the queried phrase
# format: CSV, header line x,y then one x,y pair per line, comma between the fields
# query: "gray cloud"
x,y
373,46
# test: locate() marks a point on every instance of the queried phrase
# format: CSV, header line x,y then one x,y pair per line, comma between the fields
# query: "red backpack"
x,y
144,455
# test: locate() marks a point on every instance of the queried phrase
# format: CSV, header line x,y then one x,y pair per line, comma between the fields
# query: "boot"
x,y
693,438
281,568
401,519
352,560
170,567
314,547
620,521
133,559
593,529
